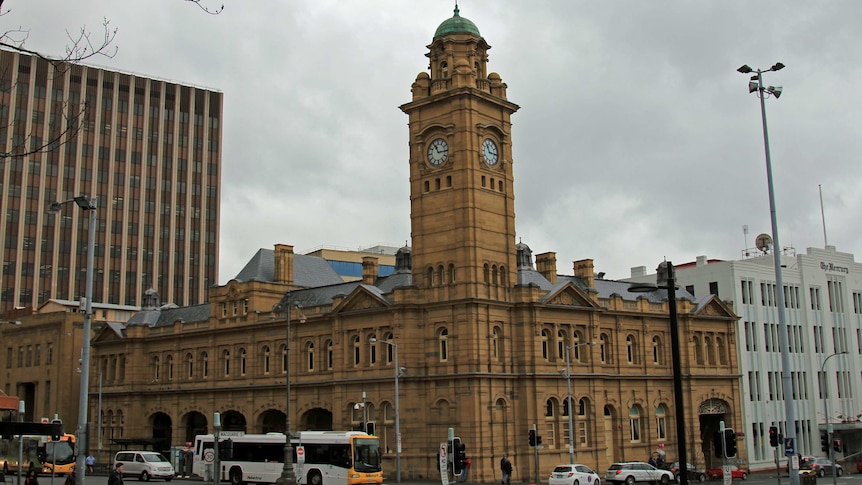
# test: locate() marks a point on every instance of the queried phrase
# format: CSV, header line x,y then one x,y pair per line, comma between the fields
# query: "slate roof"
x,y
168,316
308,271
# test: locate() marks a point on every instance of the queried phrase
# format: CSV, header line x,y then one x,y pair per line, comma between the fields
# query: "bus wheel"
x,y
236,476
315,479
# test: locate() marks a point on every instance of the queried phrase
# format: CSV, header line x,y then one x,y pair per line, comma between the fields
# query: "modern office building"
x,y
148,150
823,309
477,336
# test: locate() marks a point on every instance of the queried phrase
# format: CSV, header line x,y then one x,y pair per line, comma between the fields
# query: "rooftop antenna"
x,y
823,216
745,235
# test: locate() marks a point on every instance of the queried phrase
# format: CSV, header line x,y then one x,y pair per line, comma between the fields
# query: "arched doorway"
x,y
195,424
271,421
612,434
316,419
233,421
711,413
162,426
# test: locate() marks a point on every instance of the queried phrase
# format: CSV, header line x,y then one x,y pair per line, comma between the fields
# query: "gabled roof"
x,y
162,317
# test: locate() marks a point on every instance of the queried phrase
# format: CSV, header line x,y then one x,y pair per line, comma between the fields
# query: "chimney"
x,y
638,271
369,269
546,264
283,264
701,261
584,269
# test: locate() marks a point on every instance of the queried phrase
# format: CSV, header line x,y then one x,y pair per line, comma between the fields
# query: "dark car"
x,y
820,466
694,474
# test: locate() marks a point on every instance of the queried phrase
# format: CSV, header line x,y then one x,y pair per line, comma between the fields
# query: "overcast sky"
x,y
636,139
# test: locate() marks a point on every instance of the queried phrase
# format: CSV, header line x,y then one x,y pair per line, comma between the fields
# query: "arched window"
x,y
495,343
494,276
243,362
329,355
661,422
577,338
372,349
698,351
356,350
583,420
443,343
266,359
225,356
441,277
722,350
429,276
451,274
656,350
283,350
205,365
444,69
630,349
550,425
157,368
309,356
169,367
550,408
390,349
504,277
545,344
190,365
604,349
635,417
710,350
562,344
486,271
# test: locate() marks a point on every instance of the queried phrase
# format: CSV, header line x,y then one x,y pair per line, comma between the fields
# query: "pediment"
x,y
713,307
569,295
360,299
109,333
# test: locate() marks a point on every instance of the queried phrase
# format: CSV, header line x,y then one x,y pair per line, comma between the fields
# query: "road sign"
x,y
789,448
209,455
444,472
300,455
727,474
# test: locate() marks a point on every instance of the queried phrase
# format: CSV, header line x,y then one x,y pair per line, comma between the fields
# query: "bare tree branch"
x,y
196,2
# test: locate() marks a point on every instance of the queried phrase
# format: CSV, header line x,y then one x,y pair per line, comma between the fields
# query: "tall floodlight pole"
x,y
83,430
569,398
666,279
826,411
394,346
755,85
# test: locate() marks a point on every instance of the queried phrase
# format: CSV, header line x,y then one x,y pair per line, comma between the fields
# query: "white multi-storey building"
x,y
823,303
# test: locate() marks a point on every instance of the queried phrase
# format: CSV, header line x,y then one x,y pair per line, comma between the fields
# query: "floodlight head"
x,y
744,69
777,67
55,207
642,288
83,201
752,86
373,340
775,91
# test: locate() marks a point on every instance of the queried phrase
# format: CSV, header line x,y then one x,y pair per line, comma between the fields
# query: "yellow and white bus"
x,y
320,457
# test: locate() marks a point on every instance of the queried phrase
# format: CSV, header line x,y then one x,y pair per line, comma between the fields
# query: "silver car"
x,y
573,474
637,471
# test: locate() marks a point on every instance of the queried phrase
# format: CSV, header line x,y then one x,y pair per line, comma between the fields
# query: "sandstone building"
x,y
480,331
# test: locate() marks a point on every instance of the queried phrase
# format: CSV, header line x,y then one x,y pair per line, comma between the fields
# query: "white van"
x,y
144,465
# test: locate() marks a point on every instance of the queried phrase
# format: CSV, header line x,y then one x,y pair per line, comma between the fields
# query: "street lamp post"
x,y
666,279
756,85
83,430
288,475
394,346
826,410
569,388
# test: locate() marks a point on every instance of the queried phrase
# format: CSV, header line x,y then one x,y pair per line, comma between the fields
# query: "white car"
x,y
637,471
144,465
573,474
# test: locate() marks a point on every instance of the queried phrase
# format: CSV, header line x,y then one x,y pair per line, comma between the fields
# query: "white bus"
x,y
320,457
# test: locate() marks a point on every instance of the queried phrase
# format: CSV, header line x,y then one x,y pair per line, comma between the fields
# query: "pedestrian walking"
x,y
506,468
32,479
116,477
91,463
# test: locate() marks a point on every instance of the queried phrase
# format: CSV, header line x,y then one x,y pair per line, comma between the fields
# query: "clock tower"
x,y
461,183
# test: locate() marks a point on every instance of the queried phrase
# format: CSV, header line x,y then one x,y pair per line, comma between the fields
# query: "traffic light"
x,y
836,445
718,444
773,436
460,450
532,437
57,432
729,443
538,440
824,442
369,428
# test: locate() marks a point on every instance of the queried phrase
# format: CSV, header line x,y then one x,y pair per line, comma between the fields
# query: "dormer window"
x,y
444,69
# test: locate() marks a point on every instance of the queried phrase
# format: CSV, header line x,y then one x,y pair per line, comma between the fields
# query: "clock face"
x,y
489,152
438,152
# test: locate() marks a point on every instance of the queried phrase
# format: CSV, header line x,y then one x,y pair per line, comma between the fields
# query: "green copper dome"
x,y
457,25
